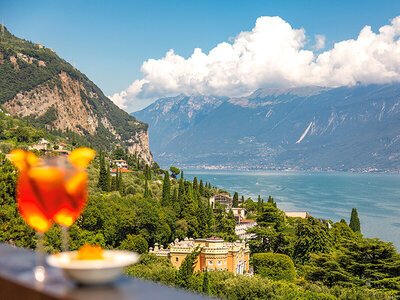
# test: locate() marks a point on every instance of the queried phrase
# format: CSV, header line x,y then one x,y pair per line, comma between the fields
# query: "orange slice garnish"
x,y
89,252
81,157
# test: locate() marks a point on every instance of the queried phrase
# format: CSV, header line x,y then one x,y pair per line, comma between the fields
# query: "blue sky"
x,y
109,40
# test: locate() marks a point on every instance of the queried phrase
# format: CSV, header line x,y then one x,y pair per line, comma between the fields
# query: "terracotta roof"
x,y
247,221
223,195
214,238
121,170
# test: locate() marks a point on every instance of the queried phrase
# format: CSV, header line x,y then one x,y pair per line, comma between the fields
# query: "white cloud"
x,y
272,54
319,42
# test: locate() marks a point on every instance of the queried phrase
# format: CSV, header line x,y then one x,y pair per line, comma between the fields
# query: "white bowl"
x,y
93,271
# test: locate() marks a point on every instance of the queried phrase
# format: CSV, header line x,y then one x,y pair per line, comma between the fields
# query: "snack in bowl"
x,y
92,264
89,252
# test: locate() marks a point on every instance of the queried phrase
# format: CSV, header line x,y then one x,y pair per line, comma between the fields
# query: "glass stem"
x,y
64,238
39,269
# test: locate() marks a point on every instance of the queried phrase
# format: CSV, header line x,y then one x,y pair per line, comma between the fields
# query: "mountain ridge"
x,y
37,85
349,129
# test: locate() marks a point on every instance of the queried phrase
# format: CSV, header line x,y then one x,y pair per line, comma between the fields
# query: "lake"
x,y
327,195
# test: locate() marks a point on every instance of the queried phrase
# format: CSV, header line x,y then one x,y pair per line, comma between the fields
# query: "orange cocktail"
x,y
51,189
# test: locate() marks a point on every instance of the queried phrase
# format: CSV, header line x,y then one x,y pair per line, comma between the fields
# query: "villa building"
x,y
297,214
240,213
216,255
242,227
120,163
223,199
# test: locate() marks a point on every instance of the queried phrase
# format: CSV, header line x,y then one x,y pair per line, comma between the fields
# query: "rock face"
x,y
70,113
347,128
38,85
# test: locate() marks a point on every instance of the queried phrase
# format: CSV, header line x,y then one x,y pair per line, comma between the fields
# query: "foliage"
x,y
166,193
275,266
134,243
175,171
354,221
153,268
235,200
312,237
185,272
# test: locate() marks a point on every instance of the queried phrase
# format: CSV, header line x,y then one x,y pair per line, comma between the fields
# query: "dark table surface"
x,y
17,282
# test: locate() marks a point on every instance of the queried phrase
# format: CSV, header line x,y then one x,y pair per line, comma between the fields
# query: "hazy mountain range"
x,y
346,128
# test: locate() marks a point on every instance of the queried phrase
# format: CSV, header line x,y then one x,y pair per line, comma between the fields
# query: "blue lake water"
x,y
328,195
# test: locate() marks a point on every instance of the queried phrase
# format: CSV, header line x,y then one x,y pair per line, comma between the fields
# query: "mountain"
x,y
173,116
312,128
39,86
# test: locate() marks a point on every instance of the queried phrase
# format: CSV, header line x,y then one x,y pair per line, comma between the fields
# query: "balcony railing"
x,y
16,263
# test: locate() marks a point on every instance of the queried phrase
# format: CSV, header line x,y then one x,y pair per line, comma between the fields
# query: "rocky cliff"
x,y
39,86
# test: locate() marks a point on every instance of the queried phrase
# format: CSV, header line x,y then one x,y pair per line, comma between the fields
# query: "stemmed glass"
x,y
74,196
50,189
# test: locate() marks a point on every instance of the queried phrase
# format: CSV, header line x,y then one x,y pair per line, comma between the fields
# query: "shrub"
x,y
135,243
130,190
6,147
274,265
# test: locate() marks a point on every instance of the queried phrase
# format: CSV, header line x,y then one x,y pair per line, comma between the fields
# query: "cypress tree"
x,y
182,174
147,193
113,186
166,191
180,191
355,221
259,205
120,184
102,184
206,287
242,201
195,187
185,272
235,202
201,188
116,180
108,178
175,201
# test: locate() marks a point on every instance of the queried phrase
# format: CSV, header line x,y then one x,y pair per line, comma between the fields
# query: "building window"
x,y
204,262
210,262
219,263
177,259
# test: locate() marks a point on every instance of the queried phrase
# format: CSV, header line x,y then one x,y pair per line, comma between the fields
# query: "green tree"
x,y
134,243
113,186
185,272
103,183
175,171
312,237
355,221
235,202
270,217
259,205
201,188
166,190
206,283
195,184
274,265
147,193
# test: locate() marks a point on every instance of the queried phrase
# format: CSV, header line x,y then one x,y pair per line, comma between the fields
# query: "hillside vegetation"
x,y
36,84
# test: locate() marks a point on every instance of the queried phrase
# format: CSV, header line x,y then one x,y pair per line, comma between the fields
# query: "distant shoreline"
x,y
229,168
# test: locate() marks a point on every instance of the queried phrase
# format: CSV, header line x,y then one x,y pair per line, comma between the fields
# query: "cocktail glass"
x,y
51,189
74,197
